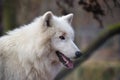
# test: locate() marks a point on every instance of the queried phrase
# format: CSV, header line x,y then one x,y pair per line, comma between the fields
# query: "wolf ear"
x,y
47,17
68,17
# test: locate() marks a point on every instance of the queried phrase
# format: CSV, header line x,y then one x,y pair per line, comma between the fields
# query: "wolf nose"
x,y
78,54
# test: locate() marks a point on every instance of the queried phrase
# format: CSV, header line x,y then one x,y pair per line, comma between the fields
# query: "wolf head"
x,y
62,39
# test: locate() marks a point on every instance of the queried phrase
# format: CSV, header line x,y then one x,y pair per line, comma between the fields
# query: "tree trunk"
x,y
1,27
9,14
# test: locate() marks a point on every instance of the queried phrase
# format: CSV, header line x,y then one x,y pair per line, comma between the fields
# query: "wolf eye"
x,y
62,37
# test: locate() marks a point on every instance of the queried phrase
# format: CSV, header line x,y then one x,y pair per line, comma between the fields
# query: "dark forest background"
x,y
94,20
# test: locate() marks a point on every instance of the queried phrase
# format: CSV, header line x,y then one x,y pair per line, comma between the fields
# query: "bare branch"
x,y
102,38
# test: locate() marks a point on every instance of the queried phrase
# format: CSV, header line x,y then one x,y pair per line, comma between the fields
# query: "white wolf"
x,y
38,51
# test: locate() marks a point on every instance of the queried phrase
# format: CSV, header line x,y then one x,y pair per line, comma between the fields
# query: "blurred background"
x,y
91,18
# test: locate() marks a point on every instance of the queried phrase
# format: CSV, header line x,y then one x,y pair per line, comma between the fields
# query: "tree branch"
x,y
100,40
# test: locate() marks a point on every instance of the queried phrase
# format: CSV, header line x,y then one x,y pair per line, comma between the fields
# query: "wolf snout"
x,y
78,54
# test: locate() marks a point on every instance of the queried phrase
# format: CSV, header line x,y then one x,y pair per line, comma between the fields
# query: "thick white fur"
x,y
28,53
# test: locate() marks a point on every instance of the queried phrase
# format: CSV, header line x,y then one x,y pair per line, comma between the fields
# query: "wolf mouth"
x,y
64,60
